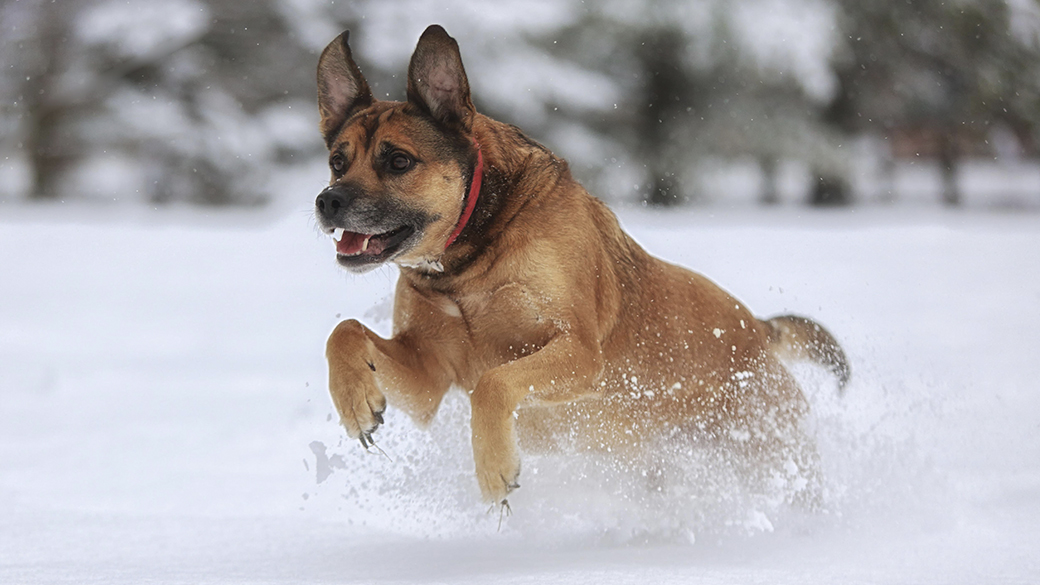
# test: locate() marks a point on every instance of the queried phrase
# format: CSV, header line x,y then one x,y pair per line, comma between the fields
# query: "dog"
x,y
520,288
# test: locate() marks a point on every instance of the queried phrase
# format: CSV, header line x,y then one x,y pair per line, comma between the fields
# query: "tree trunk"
x,y
951,194
887,178
664,190
47,150
829,190
770,170
665,83
47,143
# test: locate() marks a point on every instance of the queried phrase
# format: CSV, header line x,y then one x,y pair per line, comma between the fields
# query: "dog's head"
x,y
400,170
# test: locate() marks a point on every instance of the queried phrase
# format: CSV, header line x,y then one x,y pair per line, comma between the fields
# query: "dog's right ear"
x,y
342,90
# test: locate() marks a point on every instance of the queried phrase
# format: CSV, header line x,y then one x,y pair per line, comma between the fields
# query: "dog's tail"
x,y
797,338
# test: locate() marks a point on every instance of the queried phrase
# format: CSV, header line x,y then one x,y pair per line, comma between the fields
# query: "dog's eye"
x,y
400,162
337,164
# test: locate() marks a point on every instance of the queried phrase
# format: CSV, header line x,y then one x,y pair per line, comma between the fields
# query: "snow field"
x,y
163,415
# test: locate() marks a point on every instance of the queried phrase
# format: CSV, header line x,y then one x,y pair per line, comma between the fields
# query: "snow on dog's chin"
x,y
428,265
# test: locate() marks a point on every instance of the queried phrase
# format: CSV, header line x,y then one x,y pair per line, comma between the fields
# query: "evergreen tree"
x,y
173,94
946,70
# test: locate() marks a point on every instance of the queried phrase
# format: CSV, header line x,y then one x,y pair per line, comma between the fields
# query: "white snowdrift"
x,y
163,415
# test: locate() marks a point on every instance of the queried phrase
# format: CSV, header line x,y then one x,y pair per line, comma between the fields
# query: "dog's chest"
x,y
505,323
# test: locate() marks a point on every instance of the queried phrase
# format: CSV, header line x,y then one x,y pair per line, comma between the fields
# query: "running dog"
x,y
520,288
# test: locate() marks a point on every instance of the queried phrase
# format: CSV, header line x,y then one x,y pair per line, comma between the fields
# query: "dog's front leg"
x,y
564,370
362,365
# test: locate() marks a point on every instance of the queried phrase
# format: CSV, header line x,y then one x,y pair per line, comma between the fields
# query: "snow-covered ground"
x,y
163,416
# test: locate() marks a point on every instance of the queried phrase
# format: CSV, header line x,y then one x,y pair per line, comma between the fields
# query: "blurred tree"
x,y
197,100
667,88
37,110
168,101
693,95
935,76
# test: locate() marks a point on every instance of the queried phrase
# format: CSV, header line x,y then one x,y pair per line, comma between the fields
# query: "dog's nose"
x,y
331,201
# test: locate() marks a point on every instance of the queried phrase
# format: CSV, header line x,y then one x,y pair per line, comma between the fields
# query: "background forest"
x,y
826,102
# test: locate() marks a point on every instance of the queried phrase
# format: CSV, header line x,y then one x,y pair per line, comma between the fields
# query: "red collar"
x,y
471,197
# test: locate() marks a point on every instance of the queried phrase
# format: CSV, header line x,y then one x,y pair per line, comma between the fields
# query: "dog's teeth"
x,y
364,245
338,233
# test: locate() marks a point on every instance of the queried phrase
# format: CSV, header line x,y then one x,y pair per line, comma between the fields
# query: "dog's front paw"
x,y
359,402
498,466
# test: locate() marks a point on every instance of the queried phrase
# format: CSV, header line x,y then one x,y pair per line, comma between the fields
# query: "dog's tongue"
x,y
352,244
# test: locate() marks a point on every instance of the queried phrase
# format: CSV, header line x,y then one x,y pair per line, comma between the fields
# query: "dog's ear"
x,y
437,81
342,90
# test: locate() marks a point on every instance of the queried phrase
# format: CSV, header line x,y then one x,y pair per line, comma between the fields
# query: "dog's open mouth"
x,y
355,249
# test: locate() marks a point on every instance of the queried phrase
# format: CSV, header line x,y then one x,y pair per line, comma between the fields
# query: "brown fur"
x,y
552,319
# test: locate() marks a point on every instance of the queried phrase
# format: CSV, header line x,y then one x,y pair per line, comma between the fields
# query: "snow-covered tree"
x,y
946,70
155,101
707,82
198,100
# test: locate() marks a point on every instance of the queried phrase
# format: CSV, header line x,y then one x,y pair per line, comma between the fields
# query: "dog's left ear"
x,y
342,90
437,81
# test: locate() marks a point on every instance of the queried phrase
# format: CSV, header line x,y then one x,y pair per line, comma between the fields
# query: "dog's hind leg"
x,y
777,439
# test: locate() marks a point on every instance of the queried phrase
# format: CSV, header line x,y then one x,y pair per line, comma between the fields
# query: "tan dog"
x,y
520,288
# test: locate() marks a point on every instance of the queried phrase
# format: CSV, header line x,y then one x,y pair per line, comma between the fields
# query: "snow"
x,y
794,37
137,28
163,416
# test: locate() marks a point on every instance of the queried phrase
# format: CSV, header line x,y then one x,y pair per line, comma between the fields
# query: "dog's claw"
x,y
378,416
365,443
503,511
